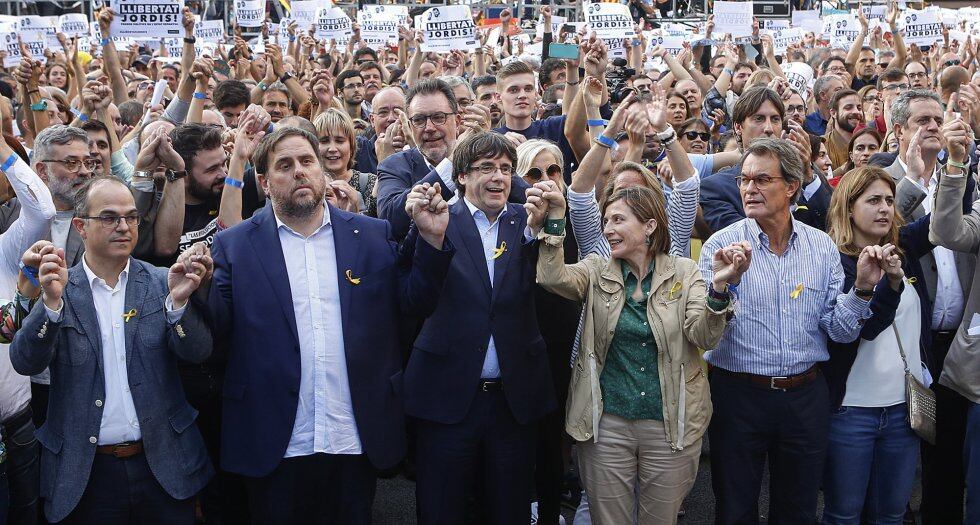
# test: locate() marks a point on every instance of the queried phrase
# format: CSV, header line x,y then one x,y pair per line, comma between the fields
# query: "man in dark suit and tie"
x,y
306,296
478,376
759,112
435,120
119,443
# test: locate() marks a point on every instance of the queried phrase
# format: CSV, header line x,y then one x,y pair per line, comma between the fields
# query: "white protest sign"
x,y
449,27
799,75
874,12
34,40
73,24
210,30
534,49
774,24
250,13
609,21
615,48
378,29
949,18
734,18
783,38
923,28
958,36
44,24
304,13
676,30
845,31
146,19
400,12
175,47
206,48
556,23
674,45
809,20
333,23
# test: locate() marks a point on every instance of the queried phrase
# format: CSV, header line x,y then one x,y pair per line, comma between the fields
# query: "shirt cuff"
x,y
174,315
55,315
694,182
445,171
579,199
856,306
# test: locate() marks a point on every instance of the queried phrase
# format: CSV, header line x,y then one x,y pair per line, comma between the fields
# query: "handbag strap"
x,y
901,348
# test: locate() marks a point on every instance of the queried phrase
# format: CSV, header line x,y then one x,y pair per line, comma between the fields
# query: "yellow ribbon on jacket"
x,y
497,252
129,315
674,289
795,294
351,279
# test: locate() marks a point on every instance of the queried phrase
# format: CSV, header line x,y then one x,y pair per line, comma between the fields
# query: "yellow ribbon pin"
x,y
351,278
795,294
674,289
129,315
911,280
497,252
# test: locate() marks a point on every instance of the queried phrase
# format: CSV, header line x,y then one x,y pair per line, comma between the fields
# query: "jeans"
x,y
22,469
971,464
871,461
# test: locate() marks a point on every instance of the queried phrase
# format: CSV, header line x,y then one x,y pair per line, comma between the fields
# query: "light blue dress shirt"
x,y
488,236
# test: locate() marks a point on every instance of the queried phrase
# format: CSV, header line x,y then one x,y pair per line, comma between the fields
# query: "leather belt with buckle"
x,y
121,450
491,385
779,382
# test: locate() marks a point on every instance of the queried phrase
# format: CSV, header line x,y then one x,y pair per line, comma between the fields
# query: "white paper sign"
x,y
73,24
556,23
378,29
210,30
734,18
845,31
175,47
333,23
449,27
250,13
783,38
775,24
399,12
923,28
609,21
874,12
799,75
34,40
45,24
146,19
809,20
958,36
304,13
674,45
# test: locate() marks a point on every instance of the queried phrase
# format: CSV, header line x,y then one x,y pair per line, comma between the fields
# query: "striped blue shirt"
x,y
786,306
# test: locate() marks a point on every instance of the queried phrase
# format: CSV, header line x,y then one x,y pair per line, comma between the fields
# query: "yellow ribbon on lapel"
x,y
351,279
129,315
795,294
497,252
911,280
674,289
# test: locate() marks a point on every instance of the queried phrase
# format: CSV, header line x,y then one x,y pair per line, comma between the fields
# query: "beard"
x,y
846,125
200,191
286,203
65,190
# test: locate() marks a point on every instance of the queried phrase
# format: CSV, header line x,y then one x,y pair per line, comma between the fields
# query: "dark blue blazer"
x,y
72,348
252,309
398,173
721,202
444,369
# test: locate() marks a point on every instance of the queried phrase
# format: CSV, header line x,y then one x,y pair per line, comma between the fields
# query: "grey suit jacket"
x,y
908,202
72,348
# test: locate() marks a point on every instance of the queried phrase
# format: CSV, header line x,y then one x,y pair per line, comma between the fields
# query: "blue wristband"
x,y
9,162
78,113
270,129
105,41
729,71
292,39
31,273
201,96
597,122
607,142
234,183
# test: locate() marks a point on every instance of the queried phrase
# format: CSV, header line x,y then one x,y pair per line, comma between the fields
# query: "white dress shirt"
x,y
488,236
36,211
120,423
324,413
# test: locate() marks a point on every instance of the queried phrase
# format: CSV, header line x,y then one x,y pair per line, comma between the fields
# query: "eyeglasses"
x,y
800,108
535,173
896,87
112,221
359,85
384,112
691,135
761,182
144,85
871,98
489,169
438,118
464,102
837,69
75,165
917,75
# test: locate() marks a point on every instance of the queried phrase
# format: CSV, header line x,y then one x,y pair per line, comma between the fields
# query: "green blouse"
x,y
630,380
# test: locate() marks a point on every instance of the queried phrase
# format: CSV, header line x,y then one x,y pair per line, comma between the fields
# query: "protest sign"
x,y
674,45
676,30
734,18
923,28
874,12
845,31
783,38
73,24
332,23
210,30
774,23
175,47
449,27
146,19
808,20
399,12
799,75
250,13
304,13
378,29
609,21
48,25
556,23
958,36
33,39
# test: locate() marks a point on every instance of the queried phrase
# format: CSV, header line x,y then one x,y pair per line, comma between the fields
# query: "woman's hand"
x,y
730,263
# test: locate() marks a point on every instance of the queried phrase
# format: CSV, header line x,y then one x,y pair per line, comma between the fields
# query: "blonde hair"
x,y
646,204
761,77
333,120
852,185
650,180
529,150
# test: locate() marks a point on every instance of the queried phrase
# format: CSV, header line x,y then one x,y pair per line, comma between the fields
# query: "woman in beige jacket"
x,y
638,402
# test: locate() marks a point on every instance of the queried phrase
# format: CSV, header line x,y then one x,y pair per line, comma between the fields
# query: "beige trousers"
x,y
633,464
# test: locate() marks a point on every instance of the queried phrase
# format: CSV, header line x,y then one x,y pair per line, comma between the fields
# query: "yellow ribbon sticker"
x,y
795,294
912,280
351,279
129,315
674,289
497,252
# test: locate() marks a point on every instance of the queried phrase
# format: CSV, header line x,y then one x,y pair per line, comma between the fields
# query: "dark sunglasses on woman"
x,y
535,173
691,135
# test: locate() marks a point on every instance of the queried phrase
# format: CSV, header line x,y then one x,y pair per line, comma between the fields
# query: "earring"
x,y
649,239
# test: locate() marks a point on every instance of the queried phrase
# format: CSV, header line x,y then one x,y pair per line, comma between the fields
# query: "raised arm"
x,y
251,129
950,227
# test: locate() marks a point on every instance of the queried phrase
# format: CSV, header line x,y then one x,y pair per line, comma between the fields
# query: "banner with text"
x,y
146,19
449,27
734,18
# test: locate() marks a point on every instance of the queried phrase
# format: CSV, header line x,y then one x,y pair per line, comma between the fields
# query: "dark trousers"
x,y
39,402
549,461
487,440
23,469
321,489
125,492
224,501
751,423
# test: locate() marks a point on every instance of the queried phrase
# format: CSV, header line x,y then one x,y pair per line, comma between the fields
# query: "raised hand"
x,y
186,20
637,125
346,197
730,263
250,133
53,276
891,264
105,18
192,268
657,108
915,166
429,211
618,119
168,155
869,270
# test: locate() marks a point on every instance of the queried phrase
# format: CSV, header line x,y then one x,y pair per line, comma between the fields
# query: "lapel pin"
x,y
912,280
497,252
674,289
351,279
180,331
795,294
356,231
129,315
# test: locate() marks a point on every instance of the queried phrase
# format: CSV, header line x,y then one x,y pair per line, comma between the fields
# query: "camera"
x,y
617,78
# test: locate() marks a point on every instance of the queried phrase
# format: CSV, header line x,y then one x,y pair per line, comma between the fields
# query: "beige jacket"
x,y
681,321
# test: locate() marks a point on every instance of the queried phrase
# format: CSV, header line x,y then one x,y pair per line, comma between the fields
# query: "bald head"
x,y
951,79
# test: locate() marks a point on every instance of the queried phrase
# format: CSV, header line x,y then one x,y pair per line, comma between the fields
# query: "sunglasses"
x,y
536,175
691,135
952,62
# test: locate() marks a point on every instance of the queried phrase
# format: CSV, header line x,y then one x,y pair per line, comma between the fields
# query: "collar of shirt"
x,y
630,280
92,278
928,184
753,230
477,212
326,220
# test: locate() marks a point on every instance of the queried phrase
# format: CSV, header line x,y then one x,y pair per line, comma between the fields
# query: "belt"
x,y
944,334
121,450
491,385
17,421
778,382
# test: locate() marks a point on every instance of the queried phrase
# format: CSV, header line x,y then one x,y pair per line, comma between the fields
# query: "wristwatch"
x,y
175,175
40,106
285,76
190,39
143,174
864,294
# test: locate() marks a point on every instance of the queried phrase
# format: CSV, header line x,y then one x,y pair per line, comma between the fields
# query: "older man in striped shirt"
x,y
769,397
